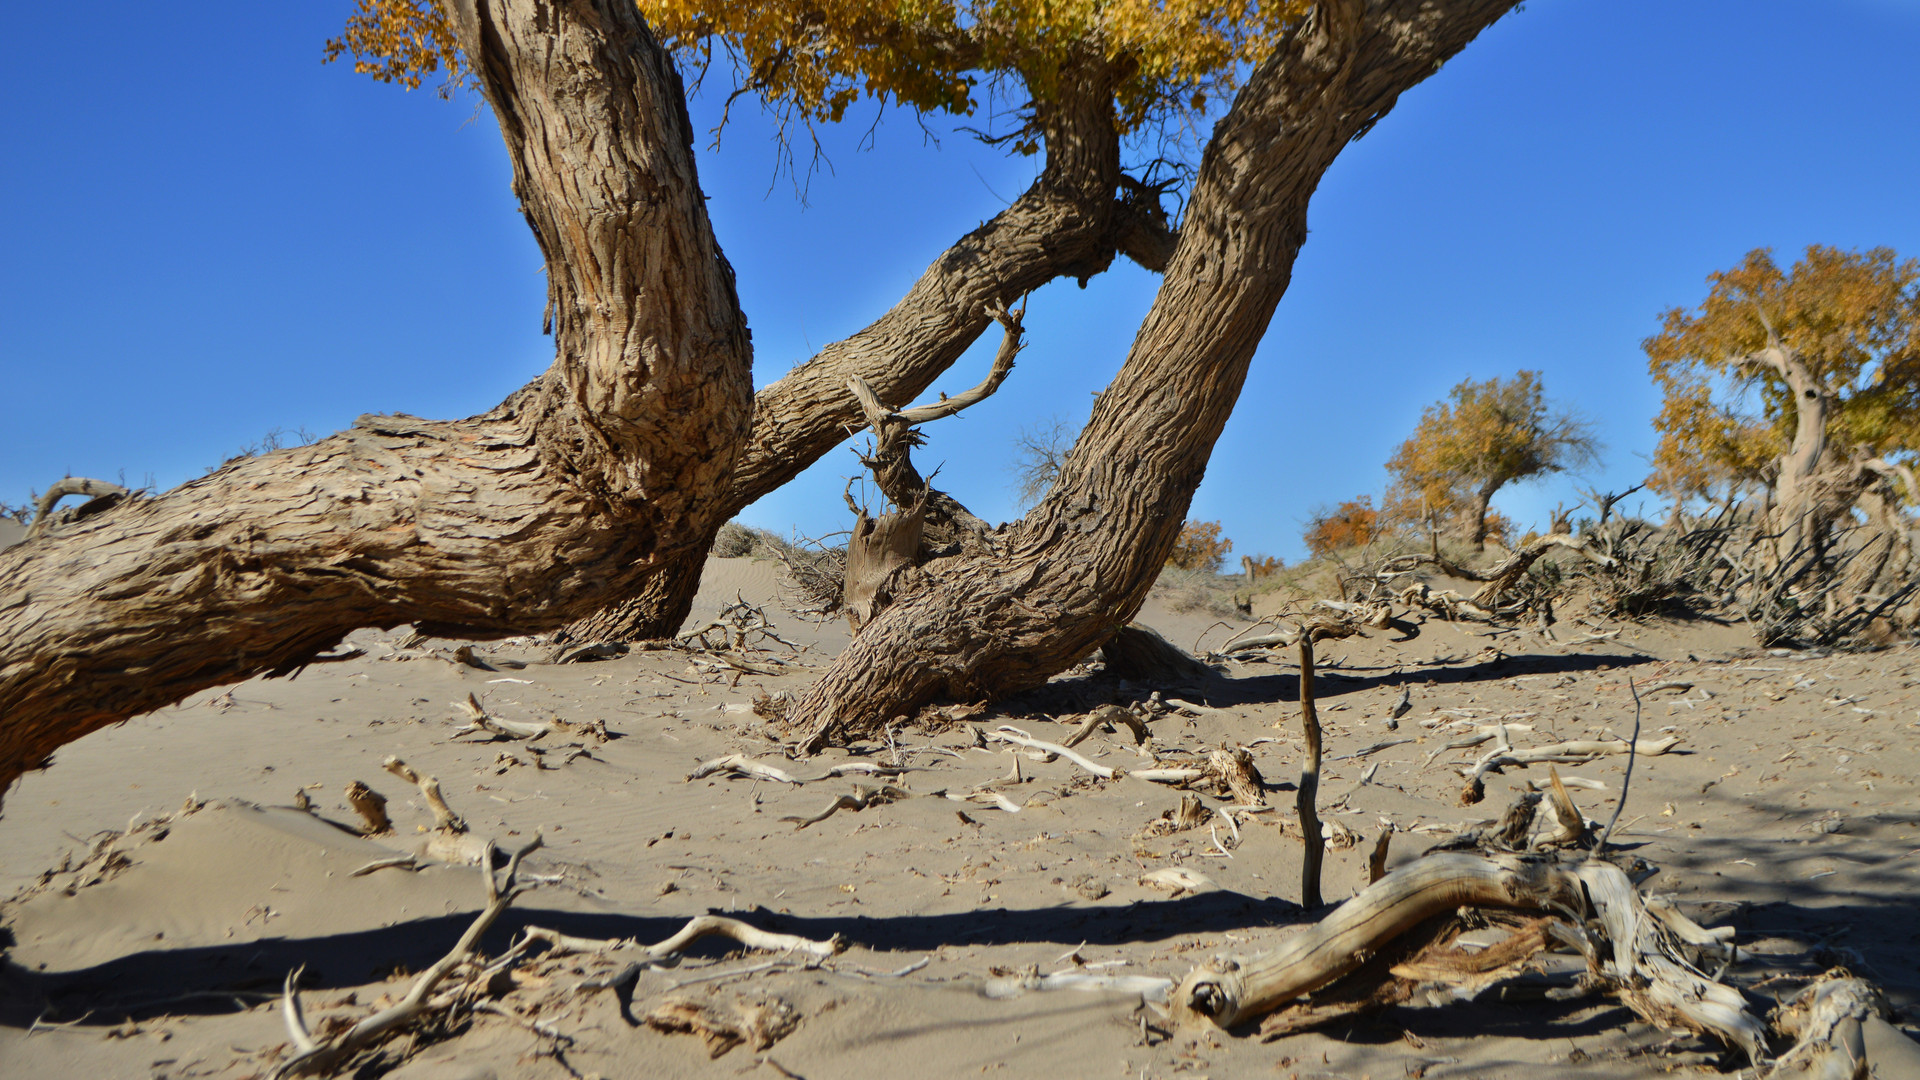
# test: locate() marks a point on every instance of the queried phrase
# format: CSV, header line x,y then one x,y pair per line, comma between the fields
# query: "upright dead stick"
x,y
1600,841
1315,847
372,808
444,818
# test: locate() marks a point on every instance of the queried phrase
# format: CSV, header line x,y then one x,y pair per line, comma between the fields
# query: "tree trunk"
x,y
1079,565
1477,514
611,463
1069,223
1797,487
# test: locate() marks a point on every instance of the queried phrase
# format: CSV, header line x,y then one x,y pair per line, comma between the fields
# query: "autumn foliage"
x,y
812,61
1200,547
1485,436
1354,523
1853,318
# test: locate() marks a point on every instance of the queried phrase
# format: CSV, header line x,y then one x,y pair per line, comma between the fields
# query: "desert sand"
x,y
163,884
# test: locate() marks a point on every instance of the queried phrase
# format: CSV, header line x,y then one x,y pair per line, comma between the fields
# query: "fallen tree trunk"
x,y
1078,567
611,463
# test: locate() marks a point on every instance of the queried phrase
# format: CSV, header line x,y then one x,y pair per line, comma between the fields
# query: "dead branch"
x,y
1576,752
861,798
1107,716
478,720
1828,1019
701,926
741,765
324,1059
1629,951
72,485
444,819
1314,846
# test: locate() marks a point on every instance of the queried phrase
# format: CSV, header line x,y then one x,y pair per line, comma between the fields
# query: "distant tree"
x,y
1038,452
1260,566
1200,547
1353,523
1485,436
1804,383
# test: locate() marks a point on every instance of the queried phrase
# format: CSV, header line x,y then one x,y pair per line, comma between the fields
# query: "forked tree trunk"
x,y
1068,224
611,463
1079,565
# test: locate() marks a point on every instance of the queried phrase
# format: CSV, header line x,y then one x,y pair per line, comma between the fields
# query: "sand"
x,y
1788,812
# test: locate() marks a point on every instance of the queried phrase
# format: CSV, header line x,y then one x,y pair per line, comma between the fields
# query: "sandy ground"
x,y
1788,811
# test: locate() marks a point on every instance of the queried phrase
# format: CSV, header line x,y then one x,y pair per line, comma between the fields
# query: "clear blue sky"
x,y
209,235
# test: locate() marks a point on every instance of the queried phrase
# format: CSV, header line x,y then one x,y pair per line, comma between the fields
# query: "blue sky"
x,y
210,235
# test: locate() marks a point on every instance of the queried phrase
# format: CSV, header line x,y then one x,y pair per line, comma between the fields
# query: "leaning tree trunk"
x,y
1482,505
1079,565
1068,224
612,462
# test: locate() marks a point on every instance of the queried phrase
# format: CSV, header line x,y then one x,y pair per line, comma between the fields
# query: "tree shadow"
x,y
230,977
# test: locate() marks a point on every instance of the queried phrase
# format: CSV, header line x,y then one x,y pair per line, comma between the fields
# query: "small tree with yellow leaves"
x,y
1354,523
1200,547
1485,436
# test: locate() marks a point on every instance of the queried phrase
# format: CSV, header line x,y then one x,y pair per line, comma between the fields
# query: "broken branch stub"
x,y
444,818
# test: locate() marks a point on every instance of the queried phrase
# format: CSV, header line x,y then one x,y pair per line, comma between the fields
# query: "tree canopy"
x,y
1852,319
1163,61
1485,436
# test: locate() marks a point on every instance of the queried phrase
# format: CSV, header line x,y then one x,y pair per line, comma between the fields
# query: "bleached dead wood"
x,y
479,720
1109,715
1573,752
72,485
1828,1021
316,1058
1630,950
699,927
444,819
741,765
862,798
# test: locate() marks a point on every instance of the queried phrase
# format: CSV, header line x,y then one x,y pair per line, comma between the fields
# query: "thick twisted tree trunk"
x,y
1079,565
529,516
1068,224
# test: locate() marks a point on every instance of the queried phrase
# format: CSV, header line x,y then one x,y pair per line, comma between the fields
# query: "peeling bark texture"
x,y
1068,224
879,550
1078,567
518,520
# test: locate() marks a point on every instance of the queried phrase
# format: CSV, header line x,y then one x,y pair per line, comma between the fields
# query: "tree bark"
x,y
1477,513
1079,565
611,463
1068,224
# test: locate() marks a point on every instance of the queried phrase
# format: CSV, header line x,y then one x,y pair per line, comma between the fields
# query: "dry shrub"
x,y
1200,547
1186,591
735,541
1354,523
816,570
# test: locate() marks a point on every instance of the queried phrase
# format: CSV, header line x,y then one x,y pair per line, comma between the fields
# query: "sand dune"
x,y
1789,812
